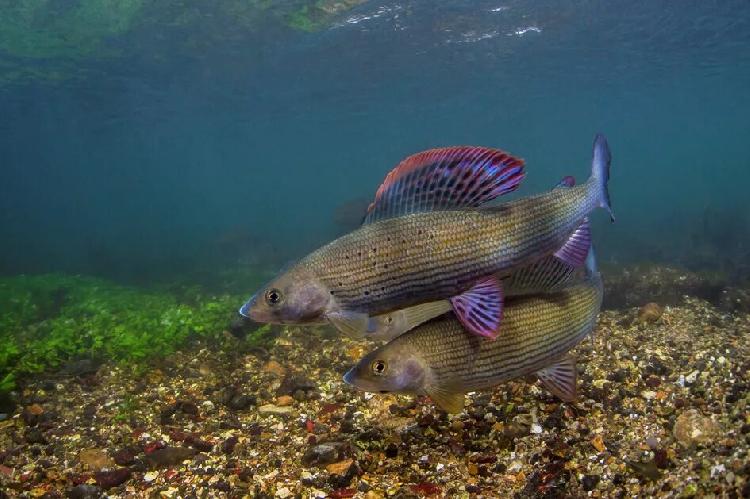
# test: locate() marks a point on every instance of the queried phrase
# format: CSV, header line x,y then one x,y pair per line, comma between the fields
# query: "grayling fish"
x,y
424,239
547,275
441,360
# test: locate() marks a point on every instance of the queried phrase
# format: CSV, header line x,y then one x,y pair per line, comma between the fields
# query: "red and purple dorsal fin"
x,y
445,178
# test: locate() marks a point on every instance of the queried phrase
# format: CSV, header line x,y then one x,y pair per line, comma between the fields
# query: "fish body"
x,y
441,360
394,262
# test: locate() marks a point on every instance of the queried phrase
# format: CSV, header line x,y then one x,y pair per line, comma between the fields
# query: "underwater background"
x,y
159,161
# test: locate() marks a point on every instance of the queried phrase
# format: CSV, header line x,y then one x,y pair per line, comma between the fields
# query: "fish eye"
x,y
379,367
273,296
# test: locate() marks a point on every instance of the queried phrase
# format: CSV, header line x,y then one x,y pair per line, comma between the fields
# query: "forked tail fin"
x,y
600,161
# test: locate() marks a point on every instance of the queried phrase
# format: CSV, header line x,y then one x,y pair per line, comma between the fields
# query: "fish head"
x,y
294,297
391,368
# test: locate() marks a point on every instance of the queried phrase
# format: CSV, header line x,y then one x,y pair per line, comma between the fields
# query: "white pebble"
x,y
283,493
535,428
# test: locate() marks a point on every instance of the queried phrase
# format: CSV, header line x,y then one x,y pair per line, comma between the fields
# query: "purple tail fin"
x,y
600,162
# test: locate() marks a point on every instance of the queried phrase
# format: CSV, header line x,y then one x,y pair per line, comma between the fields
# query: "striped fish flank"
x,y
441,360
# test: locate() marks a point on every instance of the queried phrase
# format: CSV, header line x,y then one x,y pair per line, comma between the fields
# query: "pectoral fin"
x,y
449,398
560,378
388,326
480,309
352,324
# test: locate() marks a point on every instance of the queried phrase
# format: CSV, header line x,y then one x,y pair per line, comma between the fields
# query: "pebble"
x,y
650,313
169,456
124,457
85,491
274,367
241,402
208,406
693,428
648,394
535,428
589,482
284,400
95,459
339,468
109,479
283,493
322,454
275,410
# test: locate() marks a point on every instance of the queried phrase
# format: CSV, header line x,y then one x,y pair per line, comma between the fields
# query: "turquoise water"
x,y
153,140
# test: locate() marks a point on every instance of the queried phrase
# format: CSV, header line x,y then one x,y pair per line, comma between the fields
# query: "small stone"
x,y
589,482
322,454
228,446
208,406
274,367
95,459
692,428
339,468
650,313
124,457
284,400
648,395
85,491
150,476
35,409
598,443
275,410
283,493
169,456
536,429
306,478
241,402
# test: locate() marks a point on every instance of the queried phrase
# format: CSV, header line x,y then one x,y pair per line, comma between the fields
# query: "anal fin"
x,y
480,309
576,248
560,378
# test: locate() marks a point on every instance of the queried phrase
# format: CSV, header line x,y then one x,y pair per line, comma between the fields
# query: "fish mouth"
x,y
244,310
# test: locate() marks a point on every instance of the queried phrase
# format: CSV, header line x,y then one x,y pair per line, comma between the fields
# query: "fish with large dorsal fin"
x,y
427,238
441,360
547,275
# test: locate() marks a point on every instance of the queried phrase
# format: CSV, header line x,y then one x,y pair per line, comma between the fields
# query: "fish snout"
x,y
349,377
250,311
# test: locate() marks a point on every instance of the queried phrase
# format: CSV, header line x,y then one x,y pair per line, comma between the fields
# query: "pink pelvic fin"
x,y
576,248
560,378
480,309
445,178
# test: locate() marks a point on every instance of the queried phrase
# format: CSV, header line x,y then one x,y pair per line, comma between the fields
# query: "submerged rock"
x,y
693,428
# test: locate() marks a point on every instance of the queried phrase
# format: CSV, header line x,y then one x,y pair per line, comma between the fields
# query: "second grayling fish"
x,y
441,360
424,239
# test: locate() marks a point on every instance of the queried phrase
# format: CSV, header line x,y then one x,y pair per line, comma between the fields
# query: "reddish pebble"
x,y
426,489
309,425
109,479
342,493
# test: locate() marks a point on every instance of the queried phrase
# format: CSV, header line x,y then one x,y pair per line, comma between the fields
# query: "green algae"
x,y
43,40
51,319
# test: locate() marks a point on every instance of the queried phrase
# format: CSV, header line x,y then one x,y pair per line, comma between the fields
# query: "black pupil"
x,y
379,367
273,296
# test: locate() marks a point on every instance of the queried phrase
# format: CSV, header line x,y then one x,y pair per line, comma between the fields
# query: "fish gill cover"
x,y
161,161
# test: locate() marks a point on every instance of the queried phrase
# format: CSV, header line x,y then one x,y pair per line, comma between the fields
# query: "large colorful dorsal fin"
x,y
445,178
